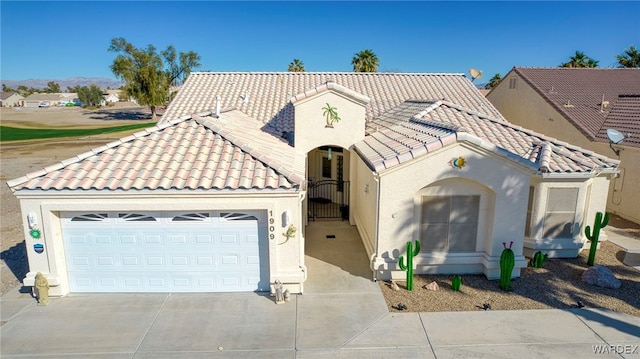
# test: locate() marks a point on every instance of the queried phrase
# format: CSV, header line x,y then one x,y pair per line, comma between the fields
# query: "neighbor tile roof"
x,y
267,96
415,128
5,95
43,97
578,94
624,116
181,154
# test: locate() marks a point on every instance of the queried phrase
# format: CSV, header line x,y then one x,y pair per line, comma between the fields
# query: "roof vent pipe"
x,y
217,106
603,104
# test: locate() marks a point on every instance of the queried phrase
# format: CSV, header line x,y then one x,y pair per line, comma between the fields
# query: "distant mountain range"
x,y
101,82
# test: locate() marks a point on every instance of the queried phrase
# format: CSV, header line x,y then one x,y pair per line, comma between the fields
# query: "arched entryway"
x,y
328,183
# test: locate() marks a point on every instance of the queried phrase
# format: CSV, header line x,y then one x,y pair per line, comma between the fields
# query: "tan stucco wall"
x,y
310,127
496,179
286,260
524,107
624,192
364,194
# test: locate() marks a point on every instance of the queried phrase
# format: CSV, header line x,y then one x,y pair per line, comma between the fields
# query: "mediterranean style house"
x,y
579,106
218,195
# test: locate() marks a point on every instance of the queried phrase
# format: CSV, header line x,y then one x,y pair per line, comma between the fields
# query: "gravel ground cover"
x,y
557,284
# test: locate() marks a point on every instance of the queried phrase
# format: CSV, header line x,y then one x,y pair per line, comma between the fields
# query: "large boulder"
x,y
601,276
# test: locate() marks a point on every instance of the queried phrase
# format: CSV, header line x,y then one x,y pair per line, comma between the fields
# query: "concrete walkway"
x,y
249,325
341,315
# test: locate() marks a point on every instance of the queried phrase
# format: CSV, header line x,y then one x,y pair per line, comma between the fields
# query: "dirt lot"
x,y
20,158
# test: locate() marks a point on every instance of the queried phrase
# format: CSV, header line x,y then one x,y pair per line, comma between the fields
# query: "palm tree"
x,y
331,113
495,80
580,60
296,66
365,61
629,58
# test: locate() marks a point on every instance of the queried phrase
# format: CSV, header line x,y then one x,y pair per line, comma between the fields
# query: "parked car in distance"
x,y
43,104
70,104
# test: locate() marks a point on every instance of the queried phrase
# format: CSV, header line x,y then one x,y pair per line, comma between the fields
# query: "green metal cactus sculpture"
x,y
507,262
411,252
538,259
456,282
598,224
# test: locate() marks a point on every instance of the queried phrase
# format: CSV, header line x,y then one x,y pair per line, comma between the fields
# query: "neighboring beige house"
x,y
10,99
42,99
109,98
578,105
218,196
51,99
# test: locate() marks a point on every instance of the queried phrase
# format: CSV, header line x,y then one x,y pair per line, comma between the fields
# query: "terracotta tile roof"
x,y
578,94
623,116
268,96
181,154
415,128
193,148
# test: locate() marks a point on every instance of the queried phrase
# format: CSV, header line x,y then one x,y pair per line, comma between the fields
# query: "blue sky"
x,y
57,40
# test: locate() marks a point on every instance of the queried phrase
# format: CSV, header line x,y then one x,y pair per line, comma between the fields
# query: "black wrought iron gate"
x,y
328,199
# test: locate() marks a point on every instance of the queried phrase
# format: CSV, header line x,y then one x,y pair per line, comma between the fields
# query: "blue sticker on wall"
x,y
38,247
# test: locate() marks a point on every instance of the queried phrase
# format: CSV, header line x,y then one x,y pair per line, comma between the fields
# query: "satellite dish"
x,y
475,74
615,136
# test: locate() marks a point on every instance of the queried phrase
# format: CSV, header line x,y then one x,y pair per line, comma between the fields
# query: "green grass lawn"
x,y
20,134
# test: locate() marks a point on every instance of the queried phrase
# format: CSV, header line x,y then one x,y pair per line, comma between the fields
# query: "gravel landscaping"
x,y
557,284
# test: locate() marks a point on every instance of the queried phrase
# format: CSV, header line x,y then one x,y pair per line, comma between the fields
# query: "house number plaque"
x,y
272,228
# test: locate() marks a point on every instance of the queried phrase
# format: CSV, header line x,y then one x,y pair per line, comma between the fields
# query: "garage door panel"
x,y
198,252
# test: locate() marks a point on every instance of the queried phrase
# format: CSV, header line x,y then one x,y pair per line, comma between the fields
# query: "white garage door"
x,y
166,251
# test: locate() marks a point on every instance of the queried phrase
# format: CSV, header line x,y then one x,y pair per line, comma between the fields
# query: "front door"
x,y
328,191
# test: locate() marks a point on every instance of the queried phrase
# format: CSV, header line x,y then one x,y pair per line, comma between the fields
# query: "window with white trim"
x,y
449,223
136,217
191,217
527,225
90,217
237,217
560,214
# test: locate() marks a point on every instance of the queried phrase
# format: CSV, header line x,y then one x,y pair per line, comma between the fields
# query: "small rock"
x,y
394,286
600,276
432,286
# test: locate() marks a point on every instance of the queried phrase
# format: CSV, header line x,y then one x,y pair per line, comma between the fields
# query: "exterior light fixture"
x,y
286,218
329,154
